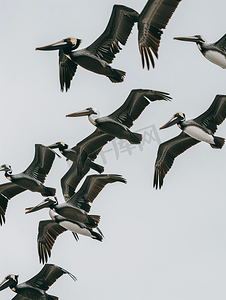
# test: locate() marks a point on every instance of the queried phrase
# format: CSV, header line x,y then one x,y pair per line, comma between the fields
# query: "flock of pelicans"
x,y
73,214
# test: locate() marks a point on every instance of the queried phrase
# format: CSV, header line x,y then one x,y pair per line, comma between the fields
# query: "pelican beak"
x,y
85,112
45,203
55,46
188,38
6,283
174,120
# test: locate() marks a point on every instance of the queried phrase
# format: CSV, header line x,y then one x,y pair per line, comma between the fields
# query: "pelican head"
x,y
6,168
198,39
59,145
67,45
48,202
9,281
177,118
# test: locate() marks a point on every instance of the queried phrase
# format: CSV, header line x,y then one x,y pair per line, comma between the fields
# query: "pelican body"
x,y
74,227
194,131
36,287
96,57
215,52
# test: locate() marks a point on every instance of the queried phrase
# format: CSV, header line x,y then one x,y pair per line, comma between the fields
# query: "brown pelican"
x,y
31,179
216,52
153,18
118,123
77,207
195,130
100,53
36,287
73,214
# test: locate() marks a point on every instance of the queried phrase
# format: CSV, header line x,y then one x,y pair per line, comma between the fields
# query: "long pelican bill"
x,y
84,112
194,38
174,120
45,203
7,281
55,46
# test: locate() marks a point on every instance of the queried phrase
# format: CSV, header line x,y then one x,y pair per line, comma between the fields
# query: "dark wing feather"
x,y
214,115
153,18
48,232
42,163
221,43
71,179
91,187
67,69
167,152
118,29
92,144
47,276
135,103
7,191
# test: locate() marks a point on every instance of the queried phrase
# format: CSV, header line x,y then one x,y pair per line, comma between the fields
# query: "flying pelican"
x,y
215,52
73,214
100,53
31,179
195,130
118,123
36,287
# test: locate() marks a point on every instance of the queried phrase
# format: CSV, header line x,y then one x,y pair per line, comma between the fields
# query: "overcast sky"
x,y
167,244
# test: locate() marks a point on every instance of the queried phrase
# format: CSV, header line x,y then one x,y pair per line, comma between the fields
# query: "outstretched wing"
x,y
135,103
67,69
118,29
42,163
214,115
167,152
48,232
91,187
153,18
47,276
7,191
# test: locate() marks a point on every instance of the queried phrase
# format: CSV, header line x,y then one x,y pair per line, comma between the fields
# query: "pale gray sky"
x,y
162,245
